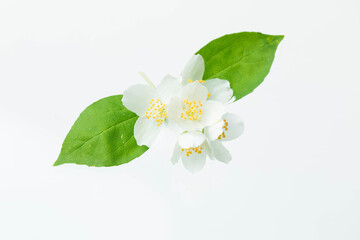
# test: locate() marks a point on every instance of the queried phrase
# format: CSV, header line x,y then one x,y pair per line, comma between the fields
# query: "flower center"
x,y
191,150
157,111
192,110
225,127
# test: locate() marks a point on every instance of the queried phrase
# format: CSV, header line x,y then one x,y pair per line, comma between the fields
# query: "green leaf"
x,y
244,59
102,136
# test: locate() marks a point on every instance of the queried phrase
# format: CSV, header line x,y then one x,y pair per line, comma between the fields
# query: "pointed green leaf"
x,y
244,59
102,136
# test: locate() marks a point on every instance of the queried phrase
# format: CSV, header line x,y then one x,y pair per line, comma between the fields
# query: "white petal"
x,y
191,139
194,162
137,98
173,126
212,113
146,131
174,111
176,154
208,149
220,152
235,127
219,90
212,132
194,69
190,125
168,88
194,92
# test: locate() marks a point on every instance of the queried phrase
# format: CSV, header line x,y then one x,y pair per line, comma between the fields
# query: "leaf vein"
x,y
240,61
97,135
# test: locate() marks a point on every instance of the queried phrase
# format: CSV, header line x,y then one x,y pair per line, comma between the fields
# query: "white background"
x,y
295,171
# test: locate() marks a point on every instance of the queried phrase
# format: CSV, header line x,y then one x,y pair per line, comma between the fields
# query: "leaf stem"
x,y
147,80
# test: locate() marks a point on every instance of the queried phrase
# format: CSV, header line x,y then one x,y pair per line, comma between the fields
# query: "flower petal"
x,y
146,131
212,132
219,90
176,154
212,113
174,110
208,149
137,98
194,162
235,126
191,139
168,88
220,152
194,92
194,69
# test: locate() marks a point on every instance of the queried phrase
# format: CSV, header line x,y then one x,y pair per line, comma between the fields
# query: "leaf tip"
x,y
57,163
279,38
275,39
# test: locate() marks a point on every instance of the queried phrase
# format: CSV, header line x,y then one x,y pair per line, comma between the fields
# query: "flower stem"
x,y
147,80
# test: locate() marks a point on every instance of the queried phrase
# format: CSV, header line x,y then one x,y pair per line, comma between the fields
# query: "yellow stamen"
x,y
200,81
158,112
192,110
191,150
225,127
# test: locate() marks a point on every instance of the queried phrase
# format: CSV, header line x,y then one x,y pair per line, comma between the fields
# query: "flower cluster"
x,y
192,107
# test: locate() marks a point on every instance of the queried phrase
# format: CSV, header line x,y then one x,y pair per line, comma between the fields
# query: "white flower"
x,y
192,111
229,128
151,105
193,147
